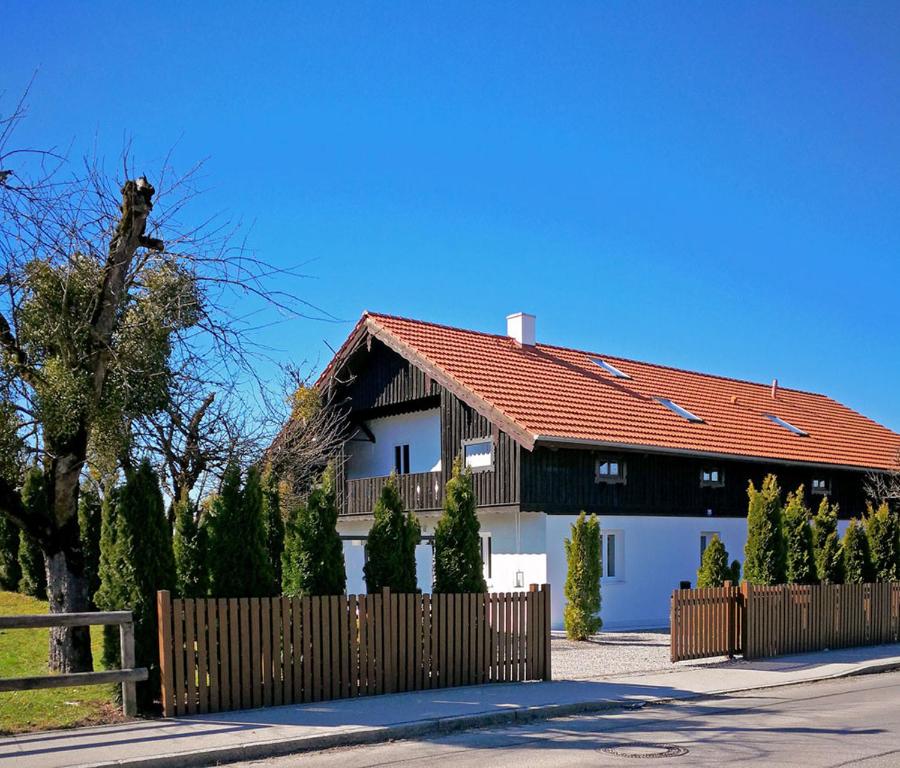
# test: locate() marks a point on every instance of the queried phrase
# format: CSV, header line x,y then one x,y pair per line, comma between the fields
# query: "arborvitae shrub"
x,y
714,569
391,546
111,594
273,523
857,561
143,549
457,541
10,572
581,614
33,580
735,572
189,550
881,532
239,563
827,545
801,558
313,559
764,554
89,523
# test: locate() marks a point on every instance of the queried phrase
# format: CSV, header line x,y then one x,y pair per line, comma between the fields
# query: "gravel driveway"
x,y
615,653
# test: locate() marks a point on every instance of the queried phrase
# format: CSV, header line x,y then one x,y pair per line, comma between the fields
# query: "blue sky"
x,y
708,185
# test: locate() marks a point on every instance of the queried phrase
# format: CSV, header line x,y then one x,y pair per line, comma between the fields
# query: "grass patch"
x,y
24,652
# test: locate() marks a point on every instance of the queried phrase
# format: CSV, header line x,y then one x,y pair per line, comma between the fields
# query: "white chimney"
x,y
520,326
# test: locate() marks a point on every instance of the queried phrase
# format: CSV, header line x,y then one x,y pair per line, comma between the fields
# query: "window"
x,y
608,470
705,538
712,477
675,408
612,556
821,486
486,555
479,454
786,424
609,368
401,459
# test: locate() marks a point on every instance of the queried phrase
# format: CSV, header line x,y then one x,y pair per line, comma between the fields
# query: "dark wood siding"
x,y
381,379
562,482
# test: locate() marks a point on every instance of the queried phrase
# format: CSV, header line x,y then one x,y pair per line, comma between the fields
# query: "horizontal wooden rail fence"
x,y
707,622
128,675
788,618
239,653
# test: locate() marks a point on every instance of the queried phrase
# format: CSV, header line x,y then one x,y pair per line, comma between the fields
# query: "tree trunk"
x,y
67,589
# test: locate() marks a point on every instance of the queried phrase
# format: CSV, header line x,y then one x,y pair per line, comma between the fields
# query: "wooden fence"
x,y
128,675
789,618
224,654
707,622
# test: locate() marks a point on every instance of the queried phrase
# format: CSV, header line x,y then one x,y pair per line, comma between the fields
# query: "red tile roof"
x,y
548,393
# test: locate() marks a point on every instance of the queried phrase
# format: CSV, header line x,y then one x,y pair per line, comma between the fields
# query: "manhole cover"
x,y
644,750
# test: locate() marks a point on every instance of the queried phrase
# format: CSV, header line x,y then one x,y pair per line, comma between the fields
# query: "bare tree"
x,y
885,486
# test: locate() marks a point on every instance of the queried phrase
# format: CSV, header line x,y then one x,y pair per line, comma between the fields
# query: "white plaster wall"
x,y
656,553
513,549
421,431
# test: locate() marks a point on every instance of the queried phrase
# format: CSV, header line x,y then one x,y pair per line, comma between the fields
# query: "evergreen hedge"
x,y
313,558
10,572
273,523
458,566
391,546
801,557
89,523
188,547
33,579
764,553
827,545
882,532
714,569
857,559
581,614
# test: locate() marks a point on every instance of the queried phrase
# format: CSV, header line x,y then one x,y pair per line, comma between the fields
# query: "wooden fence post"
x,y
164,632
545,631
129,691
730,615
748,633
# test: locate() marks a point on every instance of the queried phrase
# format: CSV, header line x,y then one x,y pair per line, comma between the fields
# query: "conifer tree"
x,y
239,563
581,614
735,572
764,553
142,549
882,532
274,525
857,560
827,545
111,573
33,580
391,546
89,523
714,569
458,566
10,572
188,546
801,558
313,560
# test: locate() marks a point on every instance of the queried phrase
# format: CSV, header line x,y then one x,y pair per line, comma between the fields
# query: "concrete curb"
x,y
282,747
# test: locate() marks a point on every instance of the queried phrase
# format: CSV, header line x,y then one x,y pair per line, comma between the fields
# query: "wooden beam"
x,y
72,679
38,620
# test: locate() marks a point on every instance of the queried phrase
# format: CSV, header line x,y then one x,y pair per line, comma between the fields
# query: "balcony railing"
x,y
419,491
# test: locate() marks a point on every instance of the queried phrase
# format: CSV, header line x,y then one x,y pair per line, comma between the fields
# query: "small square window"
x,y
608,470
479,454
712,477
821,486
401,459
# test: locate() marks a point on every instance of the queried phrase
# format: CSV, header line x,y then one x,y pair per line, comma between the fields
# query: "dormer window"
x,y
711,477
607,470
821,486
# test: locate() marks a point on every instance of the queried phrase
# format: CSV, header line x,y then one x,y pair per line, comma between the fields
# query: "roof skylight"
x,y
609,368
683,412
786,424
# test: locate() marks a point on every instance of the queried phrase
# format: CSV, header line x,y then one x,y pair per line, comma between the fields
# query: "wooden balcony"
x,y
419,491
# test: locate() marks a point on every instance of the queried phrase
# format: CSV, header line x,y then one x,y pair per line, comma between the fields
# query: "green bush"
x,y
144,562
273,523
714,569
801,557
458,566
238,560
882,532
391,547
857,560
10,572
33,581
827,545
764,553
313,559
188,546
735,572
89,523
581,614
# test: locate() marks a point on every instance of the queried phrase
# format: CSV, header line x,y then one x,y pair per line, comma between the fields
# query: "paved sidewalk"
x,y
247,735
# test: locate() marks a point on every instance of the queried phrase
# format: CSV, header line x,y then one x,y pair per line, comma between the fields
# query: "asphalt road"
x,y
850,722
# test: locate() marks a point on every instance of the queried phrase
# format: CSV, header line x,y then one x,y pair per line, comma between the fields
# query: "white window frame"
x,y
717,483
825,490
618,537
607,461
478,441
